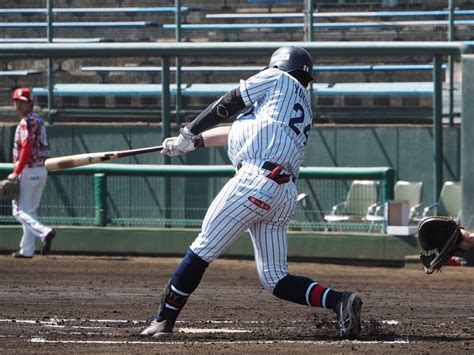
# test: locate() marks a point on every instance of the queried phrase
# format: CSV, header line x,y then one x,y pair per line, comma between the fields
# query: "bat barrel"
x,y
73,161
61,163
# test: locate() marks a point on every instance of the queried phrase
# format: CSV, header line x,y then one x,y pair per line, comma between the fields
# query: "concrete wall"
x,y
167,242
323,246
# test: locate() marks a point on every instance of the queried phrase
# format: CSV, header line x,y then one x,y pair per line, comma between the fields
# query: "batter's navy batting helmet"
x,y
292,59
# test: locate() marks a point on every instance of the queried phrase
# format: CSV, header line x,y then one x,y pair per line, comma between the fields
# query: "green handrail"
x,y
385,174
212,170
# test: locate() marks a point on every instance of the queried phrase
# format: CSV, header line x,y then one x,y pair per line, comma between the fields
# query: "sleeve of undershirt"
x,y
223,109
25,156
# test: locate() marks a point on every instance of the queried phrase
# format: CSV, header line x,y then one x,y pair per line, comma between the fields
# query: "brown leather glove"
x,y
9,189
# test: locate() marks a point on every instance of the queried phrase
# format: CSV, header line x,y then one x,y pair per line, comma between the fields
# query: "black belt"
x,y
268,165
275,172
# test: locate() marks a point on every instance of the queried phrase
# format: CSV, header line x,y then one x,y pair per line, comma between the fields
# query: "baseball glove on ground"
x,y
439,239
9,190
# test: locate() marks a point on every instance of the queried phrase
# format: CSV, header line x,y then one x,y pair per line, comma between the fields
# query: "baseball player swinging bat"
x,y
73,161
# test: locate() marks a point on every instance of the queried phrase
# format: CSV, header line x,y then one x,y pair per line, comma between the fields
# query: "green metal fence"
x,y
130,195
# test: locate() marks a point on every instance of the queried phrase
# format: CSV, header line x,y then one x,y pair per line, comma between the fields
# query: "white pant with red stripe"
x,y
32,183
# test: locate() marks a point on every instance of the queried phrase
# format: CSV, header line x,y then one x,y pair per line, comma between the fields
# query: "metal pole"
x,y
437,126
451,30
308,37
308,21
178,63
50,62
100,199
165,98
165,121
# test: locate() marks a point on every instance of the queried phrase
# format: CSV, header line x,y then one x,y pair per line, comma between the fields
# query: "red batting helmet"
x,y
23,94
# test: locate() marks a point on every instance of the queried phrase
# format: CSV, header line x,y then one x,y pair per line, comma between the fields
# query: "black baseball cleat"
x,y
47,242
348,315
158,329
18,255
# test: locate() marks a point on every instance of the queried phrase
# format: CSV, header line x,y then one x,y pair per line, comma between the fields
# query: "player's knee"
x,y
268,282
269,286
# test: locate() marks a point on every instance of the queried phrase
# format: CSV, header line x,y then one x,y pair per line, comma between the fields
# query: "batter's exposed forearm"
x,y
225,108
215,137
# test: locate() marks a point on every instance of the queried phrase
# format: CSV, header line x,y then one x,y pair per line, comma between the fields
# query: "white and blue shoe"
x,y
348,314
158,329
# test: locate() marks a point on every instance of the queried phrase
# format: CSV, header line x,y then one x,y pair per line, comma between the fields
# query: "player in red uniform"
x,y
30,150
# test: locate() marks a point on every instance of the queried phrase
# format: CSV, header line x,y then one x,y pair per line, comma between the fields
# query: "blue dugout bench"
x,y
78,24
96,10
326,25
103,71
250,68
18,73
55,40
272,1
364,14
235,29
218,89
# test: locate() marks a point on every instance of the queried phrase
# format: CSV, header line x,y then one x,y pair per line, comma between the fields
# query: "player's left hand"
x,y
184,143
9,189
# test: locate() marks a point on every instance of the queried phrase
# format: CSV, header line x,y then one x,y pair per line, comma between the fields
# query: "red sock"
x,y
320,296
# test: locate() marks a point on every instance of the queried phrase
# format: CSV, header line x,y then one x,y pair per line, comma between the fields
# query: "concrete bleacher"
x,y
137,23
402,22
127,23
388,30
16,75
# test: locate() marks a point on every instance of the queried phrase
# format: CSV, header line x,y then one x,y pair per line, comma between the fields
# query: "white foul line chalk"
x,y
238,342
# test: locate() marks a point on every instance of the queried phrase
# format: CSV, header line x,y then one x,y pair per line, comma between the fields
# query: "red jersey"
x,y
32,128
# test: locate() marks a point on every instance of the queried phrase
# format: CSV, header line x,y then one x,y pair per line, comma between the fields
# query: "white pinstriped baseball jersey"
x,y
277,125
274,129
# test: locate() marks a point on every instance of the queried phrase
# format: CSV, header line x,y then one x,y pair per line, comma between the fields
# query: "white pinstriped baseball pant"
x,y
250,201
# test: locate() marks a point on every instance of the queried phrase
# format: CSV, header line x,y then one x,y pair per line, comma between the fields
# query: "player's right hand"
x,y
174,146
12,177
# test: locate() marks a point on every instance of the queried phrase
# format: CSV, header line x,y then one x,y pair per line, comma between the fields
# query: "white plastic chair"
x,y
361,195
449,202
411,191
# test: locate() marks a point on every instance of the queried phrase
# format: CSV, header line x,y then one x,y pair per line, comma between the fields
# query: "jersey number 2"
x,y
299,119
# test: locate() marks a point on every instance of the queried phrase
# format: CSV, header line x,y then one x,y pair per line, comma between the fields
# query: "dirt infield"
x,y
86,304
